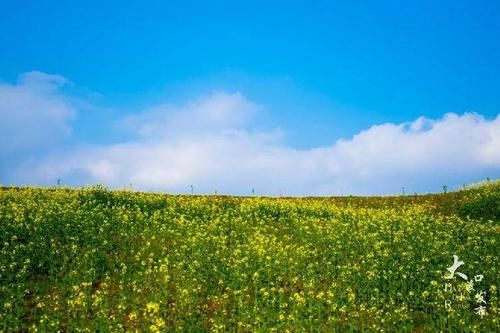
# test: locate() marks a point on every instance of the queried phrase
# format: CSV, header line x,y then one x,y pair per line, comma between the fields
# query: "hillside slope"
x,y
93,259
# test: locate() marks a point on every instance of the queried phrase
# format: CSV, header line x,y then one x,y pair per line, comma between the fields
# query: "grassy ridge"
x,y
92,259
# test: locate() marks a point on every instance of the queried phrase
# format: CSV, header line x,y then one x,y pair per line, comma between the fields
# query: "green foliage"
x,y
99,260
482,201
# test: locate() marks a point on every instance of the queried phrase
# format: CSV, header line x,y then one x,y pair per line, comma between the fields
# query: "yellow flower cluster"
x,y
97,260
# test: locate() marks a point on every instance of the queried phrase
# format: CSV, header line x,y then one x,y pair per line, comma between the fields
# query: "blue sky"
x,y
306,75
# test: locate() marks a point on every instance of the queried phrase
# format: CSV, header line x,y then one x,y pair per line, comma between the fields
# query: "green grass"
x,y
99,260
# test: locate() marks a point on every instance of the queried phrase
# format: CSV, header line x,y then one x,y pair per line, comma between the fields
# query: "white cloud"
x,y
208,143
216,112
211,143
34,113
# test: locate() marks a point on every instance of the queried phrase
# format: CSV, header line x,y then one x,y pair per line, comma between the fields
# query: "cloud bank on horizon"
x,y
210,142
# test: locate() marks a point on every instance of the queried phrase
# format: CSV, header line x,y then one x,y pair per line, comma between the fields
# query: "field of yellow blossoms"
x,y
97,260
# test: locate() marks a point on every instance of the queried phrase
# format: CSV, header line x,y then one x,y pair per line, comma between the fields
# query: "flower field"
x,y
110,261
